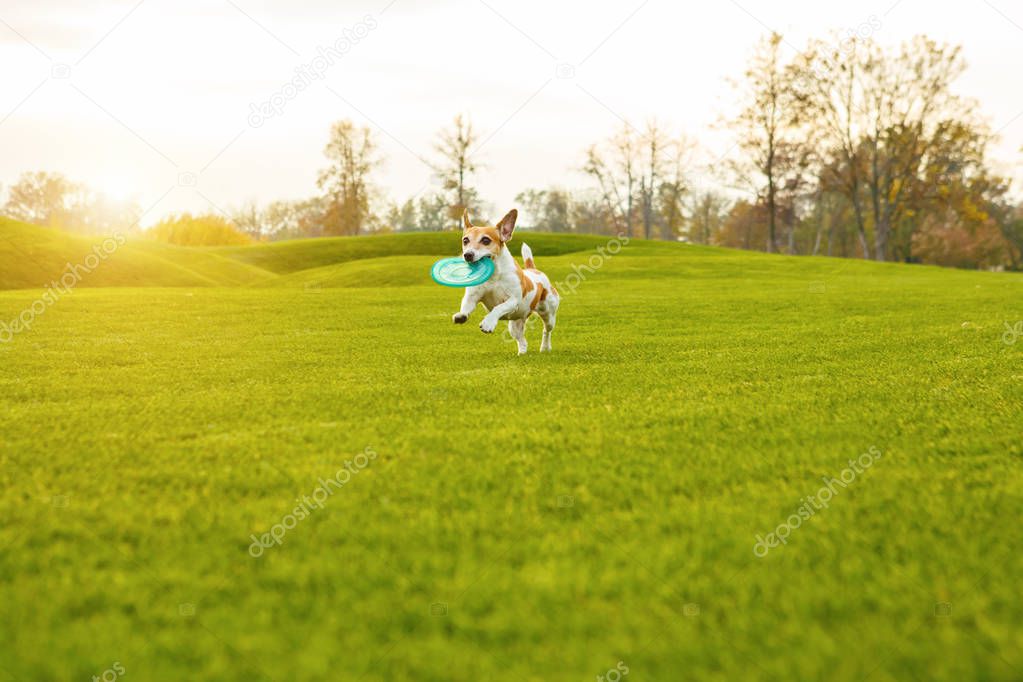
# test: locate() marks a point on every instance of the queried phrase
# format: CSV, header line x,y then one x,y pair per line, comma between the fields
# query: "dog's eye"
x,y
465,241
485,241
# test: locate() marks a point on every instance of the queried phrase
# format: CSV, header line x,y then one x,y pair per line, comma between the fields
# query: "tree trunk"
x,y
770,209
628,207
881,232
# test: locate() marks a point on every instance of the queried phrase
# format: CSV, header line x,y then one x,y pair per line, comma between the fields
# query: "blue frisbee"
x,y
455,272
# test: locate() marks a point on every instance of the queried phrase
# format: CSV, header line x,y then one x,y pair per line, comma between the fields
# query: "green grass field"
x,y
542,517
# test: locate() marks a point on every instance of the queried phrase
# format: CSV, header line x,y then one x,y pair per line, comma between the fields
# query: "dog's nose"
x,y
469,258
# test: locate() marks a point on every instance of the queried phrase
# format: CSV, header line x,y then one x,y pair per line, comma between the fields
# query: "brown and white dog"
x,y
512,293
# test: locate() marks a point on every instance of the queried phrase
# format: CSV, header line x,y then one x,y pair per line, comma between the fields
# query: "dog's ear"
x,y
507,225
465,218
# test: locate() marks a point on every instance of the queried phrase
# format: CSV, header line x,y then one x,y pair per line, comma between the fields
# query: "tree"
x,y
403,218
910,105
41,198
51,200
456,167
654,145
96,213
707,214
609,196
250,219
889,117
590,213
352,152
294,219
1012,231
674,188
433,212
550,210
614,166
640,178
767,130
744,226
828,93
197,230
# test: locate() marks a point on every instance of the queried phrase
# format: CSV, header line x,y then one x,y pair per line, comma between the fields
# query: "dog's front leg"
x,y
469,302
490,321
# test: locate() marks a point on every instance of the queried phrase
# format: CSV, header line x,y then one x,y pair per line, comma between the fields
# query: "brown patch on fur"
x,y
541,295
524,282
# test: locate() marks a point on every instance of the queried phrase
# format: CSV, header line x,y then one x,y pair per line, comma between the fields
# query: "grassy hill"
x,y
542,517
32,257
290,256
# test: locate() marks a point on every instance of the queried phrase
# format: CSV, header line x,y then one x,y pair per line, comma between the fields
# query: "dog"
x,y
512,293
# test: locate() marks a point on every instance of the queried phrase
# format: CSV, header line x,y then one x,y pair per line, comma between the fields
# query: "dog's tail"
x,y
527,257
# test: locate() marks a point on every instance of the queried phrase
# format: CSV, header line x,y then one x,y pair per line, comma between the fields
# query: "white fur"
x,y
502,296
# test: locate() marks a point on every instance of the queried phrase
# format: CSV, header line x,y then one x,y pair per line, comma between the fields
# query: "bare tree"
x,y
707,213
454,146
352,152
597,168
673,188
767,129
640,178
614,165
654,145
888,116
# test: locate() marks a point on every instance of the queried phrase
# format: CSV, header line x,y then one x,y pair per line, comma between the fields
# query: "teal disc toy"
x,y
455,272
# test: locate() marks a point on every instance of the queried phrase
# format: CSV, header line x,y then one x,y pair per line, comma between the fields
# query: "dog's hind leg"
x,y
517,329
549,318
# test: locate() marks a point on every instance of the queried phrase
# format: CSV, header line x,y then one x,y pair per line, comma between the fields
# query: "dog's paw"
x,y
487,326
459,318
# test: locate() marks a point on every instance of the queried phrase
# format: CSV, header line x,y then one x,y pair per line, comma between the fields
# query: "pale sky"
x,y
153,99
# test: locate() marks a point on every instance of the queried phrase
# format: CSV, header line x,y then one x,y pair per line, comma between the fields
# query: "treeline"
x,y
846,149
51,200
863,151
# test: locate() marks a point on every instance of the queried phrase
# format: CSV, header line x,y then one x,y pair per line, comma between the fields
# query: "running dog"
x,y
512,293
